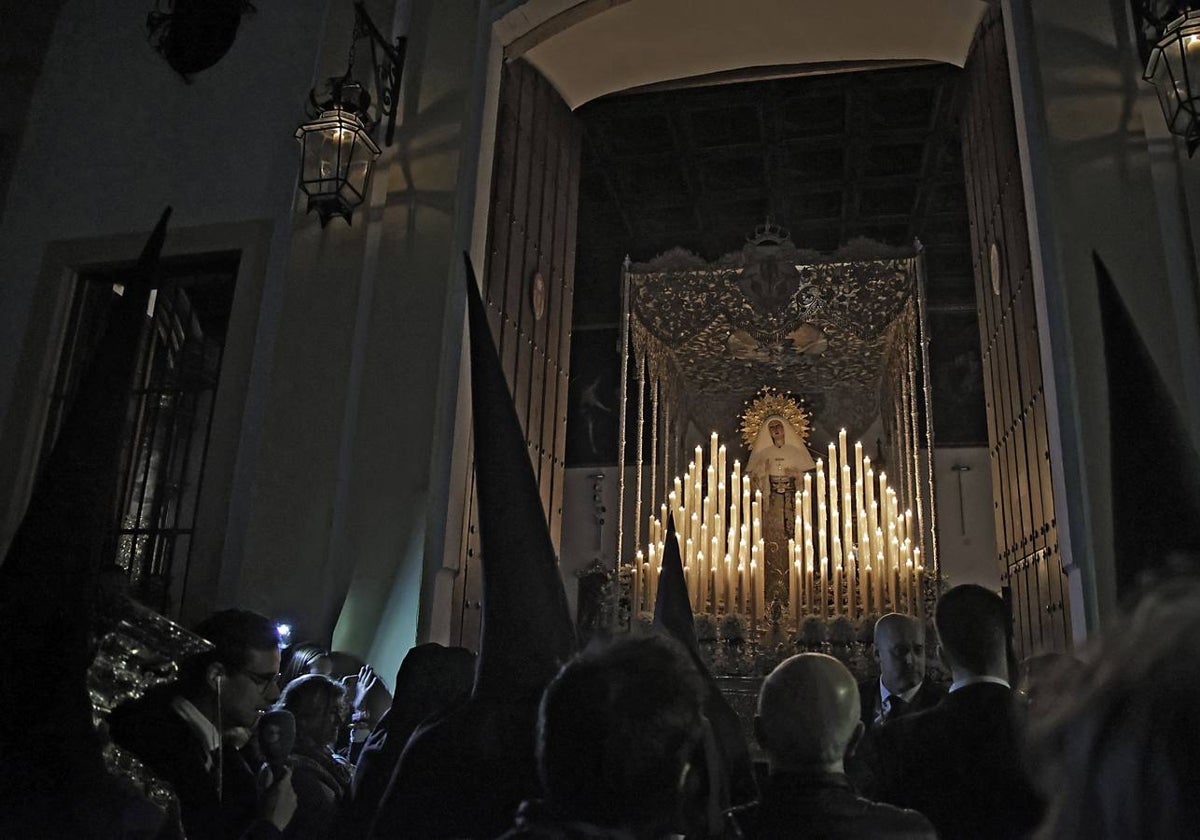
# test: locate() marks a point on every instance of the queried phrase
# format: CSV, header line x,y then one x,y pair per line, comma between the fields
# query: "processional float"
x,y
776,345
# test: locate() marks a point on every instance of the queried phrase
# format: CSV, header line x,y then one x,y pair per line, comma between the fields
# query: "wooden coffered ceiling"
x,y
830,157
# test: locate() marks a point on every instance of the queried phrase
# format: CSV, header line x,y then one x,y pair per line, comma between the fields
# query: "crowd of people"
x,y
624,747
628,739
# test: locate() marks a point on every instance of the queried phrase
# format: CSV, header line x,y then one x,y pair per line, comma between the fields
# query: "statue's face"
x,y
776,429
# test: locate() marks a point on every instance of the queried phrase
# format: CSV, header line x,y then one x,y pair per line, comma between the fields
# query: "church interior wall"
x,y
1085,117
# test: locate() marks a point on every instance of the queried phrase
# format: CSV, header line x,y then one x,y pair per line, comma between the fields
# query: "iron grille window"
x,y
169,416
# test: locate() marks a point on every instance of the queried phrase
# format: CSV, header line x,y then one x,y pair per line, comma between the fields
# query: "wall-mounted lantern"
x,y
1174,70
337,153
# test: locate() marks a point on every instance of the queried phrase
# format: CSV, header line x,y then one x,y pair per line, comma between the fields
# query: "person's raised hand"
x,y
278,802
363,684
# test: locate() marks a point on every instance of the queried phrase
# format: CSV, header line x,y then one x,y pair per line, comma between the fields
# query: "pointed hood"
x,y
527,633
464,773
735,784
1155,468
672,604
68,508
49,580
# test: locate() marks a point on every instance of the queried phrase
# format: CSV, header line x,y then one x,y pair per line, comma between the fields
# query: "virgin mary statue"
x,y
777,464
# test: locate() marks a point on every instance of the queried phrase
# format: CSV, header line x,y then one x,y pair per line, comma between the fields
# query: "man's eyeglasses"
x,y
263,681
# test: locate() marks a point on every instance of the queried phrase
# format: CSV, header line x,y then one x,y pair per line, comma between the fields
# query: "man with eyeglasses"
x,y
183,731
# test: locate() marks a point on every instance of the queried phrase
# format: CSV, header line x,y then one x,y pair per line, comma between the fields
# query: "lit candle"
x,y
689,562
701,583
753,589
920,583
722,499
843,455
756,521
810,598
743,589
762,578
837,572
652,570
908,590
718,574
864,560
636,600
823,591
894,580
793,580
730,586
848,539
881,569
869,503
712,450
880,573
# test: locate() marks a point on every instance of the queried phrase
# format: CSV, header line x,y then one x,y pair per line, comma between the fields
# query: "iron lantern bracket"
x,y
387,65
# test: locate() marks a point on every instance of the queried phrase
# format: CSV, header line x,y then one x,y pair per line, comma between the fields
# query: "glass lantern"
x,y
336,158
1174,63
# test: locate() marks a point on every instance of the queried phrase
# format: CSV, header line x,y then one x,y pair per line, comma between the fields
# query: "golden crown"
x,y
770,402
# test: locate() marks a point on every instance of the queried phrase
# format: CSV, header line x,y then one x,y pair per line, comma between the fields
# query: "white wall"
x,y
966,533
332,438
114,135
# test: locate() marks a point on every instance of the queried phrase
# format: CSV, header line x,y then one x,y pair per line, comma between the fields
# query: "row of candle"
x,y
854,551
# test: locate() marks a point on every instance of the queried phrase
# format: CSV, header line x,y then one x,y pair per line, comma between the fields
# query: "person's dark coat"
x,y
825,806
959,763
322,783
927,696
151,730
535,821
863,764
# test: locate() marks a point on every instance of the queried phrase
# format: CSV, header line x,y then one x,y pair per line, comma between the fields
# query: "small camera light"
x,y
285,634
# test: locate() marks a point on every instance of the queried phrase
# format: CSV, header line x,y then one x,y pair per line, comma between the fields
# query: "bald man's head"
x,y
808,713
900,651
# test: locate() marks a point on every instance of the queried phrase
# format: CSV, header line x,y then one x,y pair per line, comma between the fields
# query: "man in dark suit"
x,y
807,723
959,763
901,688
179,731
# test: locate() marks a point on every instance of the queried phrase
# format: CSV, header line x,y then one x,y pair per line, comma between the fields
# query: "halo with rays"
x,y
771,402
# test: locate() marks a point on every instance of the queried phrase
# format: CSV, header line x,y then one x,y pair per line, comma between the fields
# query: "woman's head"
x,y
319,705
305,658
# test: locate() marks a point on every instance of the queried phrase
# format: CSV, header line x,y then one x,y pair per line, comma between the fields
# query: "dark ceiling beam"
x,y
945,126
614,195
684,144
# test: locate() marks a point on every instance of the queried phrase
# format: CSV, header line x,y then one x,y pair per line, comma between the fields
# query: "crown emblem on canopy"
x,y
768,234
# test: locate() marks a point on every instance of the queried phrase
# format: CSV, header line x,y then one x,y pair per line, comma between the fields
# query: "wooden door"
x,y
528,287
1026,528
